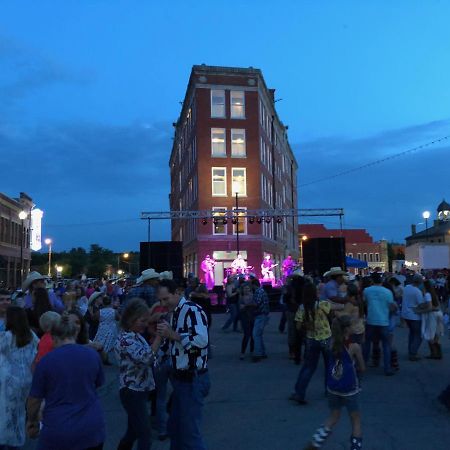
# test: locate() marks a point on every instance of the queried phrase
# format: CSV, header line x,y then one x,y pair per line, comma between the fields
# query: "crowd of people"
x,y
54,344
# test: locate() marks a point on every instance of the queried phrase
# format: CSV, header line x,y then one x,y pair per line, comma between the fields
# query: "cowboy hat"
x,y
94,296
335,271
167,275
147,275
31,278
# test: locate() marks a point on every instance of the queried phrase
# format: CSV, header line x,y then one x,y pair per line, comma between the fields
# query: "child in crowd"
x,y
342,384
46,322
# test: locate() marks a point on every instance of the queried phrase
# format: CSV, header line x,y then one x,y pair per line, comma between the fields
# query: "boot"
x,y
434,351
376,355
438,348
355,443
394,360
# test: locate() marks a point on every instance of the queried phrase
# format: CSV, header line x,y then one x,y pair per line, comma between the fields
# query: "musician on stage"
x,y
239,265
288,266
208,269
266,268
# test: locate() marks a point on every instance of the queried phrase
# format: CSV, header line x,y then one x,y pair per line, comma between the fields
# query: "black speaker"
x,y
320,254
161,256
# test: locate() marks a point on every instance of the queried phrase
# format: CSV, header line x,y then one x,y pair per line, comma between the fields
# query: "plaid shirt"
x,y
262,301
144,292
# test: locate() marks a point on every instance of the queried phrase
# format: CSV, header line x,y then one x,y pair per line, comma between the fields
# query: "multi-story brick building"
x,y
12,239
359,244
231,147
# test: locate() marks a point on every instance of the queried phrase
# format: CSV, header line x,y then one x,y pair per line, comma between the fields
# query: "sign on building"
x,y
36,229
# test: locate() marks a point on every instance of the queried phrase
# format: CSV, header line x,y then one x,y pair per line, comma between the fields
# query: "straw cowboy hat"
x,y
31,278
167,275
335,271
146,275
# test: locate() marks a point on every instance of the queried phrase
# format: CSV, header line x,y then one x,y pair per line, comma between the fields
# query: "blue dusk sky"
x,y
89,91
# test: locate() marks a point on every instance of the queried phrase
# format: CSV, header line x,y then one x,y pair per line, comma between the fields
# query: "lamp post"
x,y
125,256
22,216
303,239
426,216
48,242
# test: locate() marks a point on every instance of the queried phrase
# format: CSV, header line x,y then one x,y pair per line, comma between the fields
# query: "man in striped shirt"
x,y
188,338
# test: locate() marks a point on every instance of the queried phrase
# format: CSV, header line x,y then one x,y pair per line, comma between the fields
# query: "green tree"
x,y
99,259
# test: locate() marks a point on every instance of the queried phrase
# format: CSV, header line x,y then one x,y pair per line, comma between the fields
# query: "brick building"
x,y
229,140
11,238
359,243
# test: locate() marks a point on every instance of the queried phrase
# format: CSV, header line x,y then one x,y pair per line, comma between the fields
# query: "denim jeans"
x,y
382,332
234,316
186,413
248,322
162,374
136,405
312,354
415,336
258,334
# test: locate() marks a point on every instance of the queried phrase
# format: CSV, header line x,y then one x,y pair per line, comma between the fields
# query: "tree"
x,y
99,258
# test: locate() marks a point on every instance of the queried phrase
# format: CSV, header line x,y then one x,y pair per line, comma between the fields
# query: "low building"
x,y
359,244
15,253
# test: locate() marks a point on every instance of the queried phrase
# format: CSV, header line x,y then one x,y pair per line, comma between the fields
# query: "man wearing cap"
x,y
145,287
33,281
412,298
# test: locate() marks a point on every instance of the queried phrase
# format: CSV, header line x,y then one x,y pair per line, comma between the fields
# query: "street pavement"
x,y
248,406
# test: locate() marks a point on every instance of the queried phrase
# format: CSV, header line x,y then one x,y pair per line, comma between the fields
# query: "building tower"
x,y
230,147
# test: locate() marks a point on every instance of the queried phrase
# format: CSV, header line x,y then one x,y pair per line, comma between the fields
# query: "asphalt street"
x,y
248,407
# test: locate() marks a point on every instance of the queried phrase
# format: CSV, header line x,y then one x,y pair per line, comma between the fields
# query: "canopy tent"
x,y
355,263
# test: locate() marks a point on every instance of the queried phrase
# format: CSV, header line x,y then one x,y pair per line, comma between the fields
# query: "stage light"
x,y
279,219
268,219
215,221
251,220
225,221
204,221
234,221
259,220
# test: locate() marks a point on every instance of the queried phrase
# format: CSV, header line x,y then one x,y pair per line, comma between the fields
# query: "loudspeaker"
x,y
161,256
320,254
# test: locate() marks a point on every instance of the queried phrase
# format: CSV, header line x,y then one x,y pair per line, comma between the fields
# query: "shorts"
x,y
351,402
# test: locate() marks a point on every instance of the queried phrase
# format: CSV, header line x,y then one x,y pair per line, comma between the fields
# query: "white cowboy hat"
x,y
167,275
147,275
94,296
32,277
334,271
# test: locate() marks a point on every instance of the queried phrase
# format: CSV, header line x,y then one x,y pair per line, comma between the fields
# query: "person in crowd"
x,y
247,311
432,321
262,311
82,336
81,299
41,304
380,303
93,316
33,281
232,296
293,299
5,302
412,298
136,358
334,289
89,290
313,317
46,344
146,286
18,347
188,338
67,379
201,296
342,384
107,330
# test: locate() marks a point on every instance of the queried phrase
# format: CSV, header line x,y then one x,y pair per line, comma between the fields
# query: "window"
x,y
365,257
359,256
377,257
237,104
238,143
242,222
217,103
219,181
239,181
350,255
220,227
370,257
218,147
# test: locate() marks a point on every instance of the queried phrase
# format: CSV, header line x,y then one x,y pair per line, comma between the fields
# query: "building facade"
x,y
231,151
14,240
359,244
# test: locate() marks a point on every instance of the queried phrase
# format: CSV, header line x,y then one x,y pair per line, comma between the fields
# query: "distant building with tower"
x,y
231,150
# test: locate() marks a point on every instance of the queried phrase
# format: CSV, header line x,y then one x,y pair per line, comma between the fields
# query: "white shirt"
x,y
412,297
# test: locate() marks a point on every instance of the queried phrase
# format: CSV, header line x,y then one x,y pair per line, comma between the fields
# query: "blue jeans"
x,y
233,319
135,404
162,374
312,354
415,336
258,334
383,333
186,414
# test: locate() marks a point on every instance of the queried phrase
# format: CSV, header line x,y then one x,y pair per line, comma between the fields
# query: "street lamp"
x,y
303,239
426,215
125,256
48,242
22,216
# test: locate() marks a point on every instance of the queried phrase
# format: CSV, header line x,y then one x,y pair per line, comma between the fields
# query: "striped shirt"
x,y
190,322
